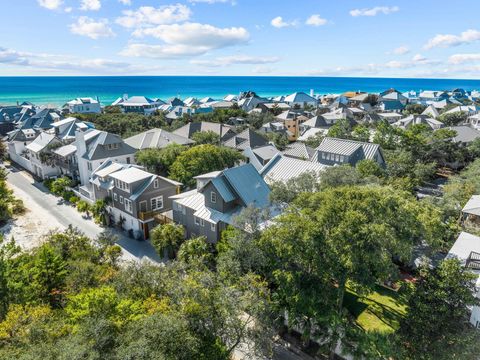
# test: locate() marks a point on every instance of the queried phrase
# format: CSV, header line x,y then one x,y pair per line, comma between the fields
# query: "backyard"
x,y
379,311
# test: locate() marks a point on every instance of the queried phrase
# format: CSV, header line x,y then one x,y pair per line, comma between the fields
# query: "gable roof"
x,y
431,111
465,134
96,142
41,142
299,97
283,168
248,185
463,246
265,152
472,206
347,147
247,138
418,119
189,129
156,138
299,150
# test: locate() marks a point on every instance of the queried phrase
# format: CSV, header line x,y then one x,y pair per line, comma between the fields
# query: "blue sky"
x,y
387,38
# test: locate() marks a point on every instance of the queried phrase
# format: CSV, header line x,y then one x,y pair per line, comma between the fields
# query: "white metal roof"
x,y
464,245
283,168
472,206
131,175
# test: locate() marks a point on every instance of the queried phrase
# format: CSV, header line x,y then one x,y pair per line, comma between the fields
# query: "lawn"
x,y
379,311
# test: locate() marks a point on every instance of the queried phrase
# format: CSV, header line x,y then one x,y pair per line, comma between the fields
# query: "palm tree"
x,y
84,207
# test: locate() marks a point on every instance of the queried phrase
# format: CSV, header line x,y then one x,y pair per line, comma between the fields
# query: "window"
x,y
197,220
213,227
342,158
213,197
89,166
115,196
337,157
155,184
202,222
121,199
128,160
156,203
128,205
323,156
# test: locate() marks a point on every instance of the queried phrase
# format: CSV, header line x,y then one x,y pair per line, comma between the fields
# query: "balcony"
x,y
147,215
161,217
473,261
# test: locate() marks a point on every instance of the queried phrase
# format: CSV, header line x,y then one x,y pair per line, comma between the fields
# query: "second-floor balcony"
x,y
160,216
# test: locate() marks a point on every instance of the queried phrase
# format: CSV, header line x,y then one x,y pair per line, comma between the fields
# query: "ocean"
x,y
58,90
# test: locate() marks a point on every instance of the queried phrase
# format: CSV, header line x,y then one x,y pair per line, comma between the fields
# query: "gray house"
x,y
333,151
139,199
156,138
219,197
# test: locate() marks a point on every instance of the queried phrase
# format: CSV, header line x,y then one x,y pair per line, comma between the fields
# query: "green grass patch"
x,y
379,311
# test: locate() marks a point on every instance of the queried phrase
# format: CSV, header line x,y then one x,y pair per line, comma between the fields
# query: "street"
x,y
46,212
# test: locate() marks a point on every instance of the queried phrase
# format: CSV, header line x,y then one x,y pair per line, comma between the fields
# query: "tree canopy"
x,y
202,159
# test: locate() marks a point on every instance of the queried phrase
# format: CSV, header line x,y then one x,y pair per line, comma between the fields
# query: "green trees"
x,y
167,238
159,161
341,129
336,238
181,310
454,118
279,140
436,325
202,159
84,207
99,211
414,109
206,137
125,125
9,205
3,150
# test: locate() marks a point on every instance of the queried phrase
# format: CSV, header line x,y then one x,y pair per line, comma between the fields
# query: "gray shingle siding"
x,y
193,230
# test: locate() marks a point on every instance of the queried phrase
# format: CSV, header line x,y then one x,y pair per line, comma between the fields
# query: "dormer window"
x,y
213,197
112,146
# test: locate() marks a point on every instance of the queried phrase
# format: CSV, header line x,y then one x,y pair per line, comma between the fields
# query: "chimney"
x,y
80,141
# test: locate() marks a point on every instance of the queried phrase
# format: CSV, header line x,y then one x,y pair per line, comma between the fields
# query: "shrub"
x,y
74,199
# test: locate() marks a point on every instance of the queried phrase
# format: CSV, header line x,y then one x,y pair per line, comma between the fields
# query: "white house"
x,y
95,147
300,99
467,250
38,151
84,105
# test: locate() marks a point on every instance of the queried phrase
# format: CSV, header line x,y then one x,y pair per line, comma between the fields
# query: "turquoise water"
x,y
58,90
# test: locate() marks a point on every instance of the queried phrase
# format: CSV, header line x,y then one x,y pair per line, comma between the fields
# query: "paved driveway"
x,y
47,212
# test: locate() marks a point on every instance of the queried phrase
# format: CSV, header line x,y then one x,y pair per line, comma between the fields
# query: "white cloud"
x,y
278,22
448,40
91,28
186,39
125,2
148,15
64,62
316,20
463,58
419,58
162,51
212,1
262,70
402,50
374,11
51,4
235,60
93,5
